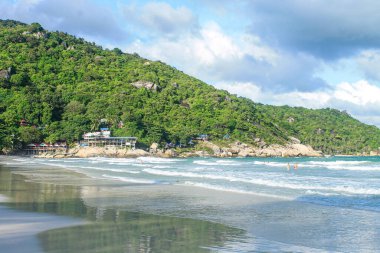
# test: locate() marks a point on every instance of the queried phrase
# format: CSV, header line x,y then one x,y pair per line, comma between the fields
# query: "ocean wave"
x,y
197,169
120,163
318,193
270,183
228,162
217,162
355,168
184,174
130,180
231,189
20,160
299,186
157,160
162,167
334,163
273,164
110,169
207,163
58,165
112,160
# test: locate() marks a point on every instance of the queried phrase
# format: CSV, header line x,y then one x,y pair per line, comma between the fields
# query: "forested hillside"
x,y
54,86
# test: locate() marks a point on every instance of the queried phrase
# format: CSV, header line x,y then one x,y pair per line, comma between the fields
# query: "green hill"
x,y
54,86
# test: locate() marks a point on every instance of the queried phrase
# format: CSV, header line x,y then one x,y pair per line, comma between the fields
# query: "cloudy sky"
x,y
314,53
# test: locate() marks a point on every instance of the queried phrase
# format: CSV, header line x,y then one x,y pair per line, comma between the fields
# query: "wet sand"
x,y
18,229
46,212
171,218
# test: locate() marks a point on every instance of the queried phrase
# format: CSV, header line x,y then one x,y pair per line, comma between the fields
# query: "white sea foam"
x,y
217,162
346,165
121,163
327,163
310,192
231,189
199,169
141,165
228,162
271,164
112,160
355,168
186,174
110,169
299,186
130,180
58,165
157,160
20,160
277,183
161,167
207,163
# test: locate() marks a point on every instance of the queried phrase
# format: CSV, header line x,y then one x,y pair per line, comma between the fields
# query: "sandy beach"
x,y
45,210
18,229
51,206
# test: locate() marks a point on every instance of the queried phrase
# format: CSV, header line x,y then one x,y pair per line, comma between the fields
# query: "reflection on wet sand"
x,y
109,230
136,232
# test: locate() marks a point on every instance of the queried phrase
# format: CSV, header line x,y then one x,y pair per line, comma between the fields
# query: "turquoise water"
x,y
326,204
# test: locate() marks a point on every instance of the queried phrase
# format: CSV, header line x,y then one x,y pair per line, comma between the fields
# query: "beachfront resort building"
x,y
103,138
39,148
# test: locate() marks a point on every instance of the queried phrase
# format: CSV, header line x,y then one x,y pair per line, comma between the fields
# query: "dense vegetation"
x,y
328,130
54,86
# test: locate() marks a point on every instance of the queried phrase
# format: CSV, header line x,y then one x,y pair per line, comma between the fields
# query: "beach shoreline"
x,y
265,219
100,196
27,226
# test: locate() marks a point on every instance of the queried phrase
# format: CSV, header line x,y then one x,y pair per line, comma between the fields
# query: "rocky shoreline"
x,y
203,149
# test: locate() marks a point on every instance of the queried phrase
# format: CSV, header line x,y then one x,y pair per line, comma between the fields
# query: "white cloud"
x,y
159,18
361,99
207,48
82,18
360,93
214,56
369,63
328,30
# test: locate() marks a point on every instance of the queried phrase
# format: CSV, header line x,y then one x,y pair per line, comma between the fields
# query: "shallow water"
x,y
324,205
352,182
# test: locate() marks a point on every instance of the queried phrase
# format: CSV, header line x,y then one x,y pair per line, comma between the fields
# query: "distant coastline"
x,y
203,149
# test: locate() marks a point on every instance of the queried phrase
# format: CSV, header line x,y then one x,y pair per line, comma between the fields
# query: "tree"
x,y
35,27
29,134
20,79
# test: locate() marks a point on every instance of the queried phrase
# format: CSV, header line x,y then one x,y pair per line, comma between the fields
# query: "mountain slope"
x,y
54,86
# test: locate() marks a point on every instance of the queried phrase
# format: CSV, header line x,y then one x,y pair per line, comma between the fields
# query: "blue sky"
x,y
313,53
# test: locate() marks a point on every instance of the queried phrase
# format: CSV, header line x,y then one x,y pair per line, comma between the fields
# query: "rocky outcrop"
x,y
170,153
216,149
238,149
147,85
85,152
153,148
207,148
6,73
290,150
294,140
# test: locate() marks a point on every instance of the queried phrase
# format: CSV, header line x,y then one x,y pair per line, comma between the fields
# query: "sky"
x,y
315,53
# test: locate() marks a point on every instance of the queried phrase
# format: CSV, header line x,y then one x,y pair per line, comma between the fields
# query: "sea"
x,y
282,204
